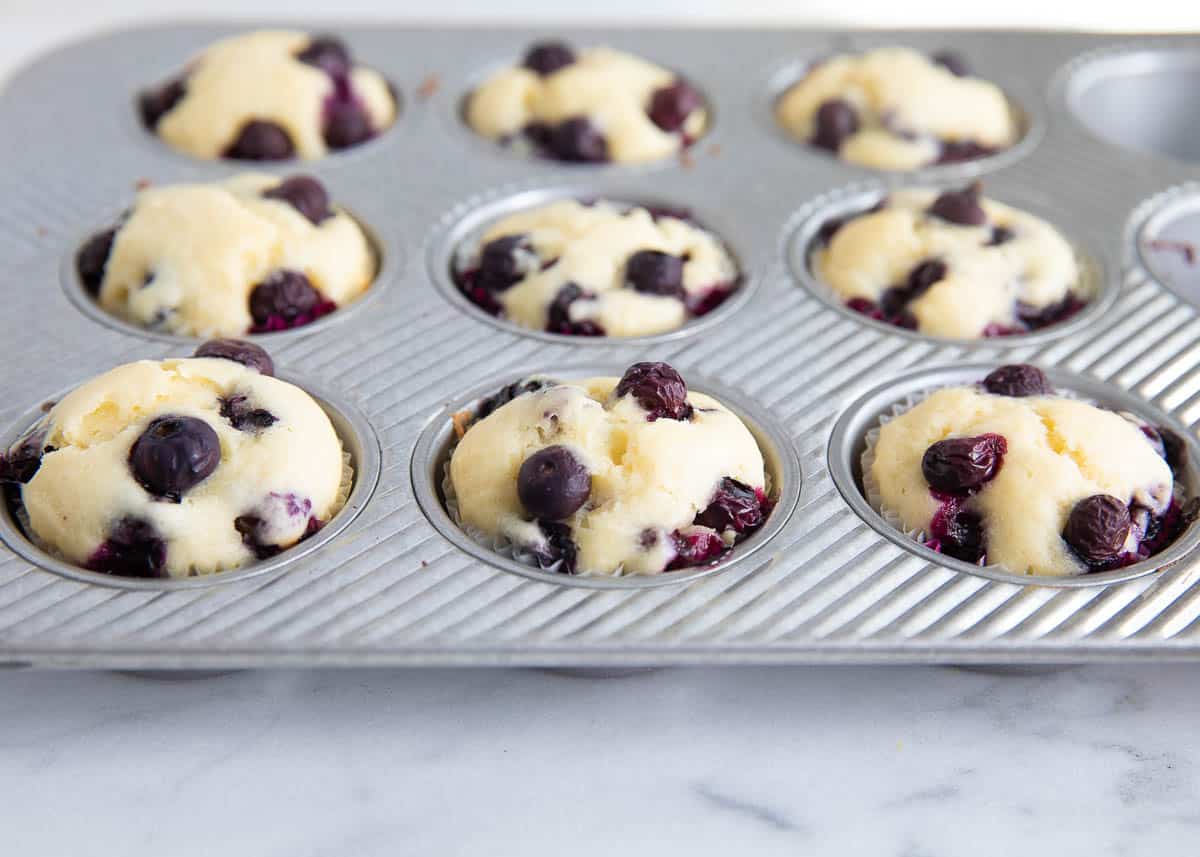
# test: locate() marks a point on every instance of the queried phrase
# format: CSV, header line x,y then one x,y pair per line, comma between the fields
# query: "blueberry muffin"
x,y
591,106
267,96
177,468
1008,473
597,269
608,476
896,109
251,254
952,264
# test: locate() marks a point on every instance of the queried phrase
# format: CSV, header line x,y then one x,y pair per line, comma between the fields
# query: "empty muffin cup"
x,y
438,497
1165,234
134,552
1142,99
853,448
963,256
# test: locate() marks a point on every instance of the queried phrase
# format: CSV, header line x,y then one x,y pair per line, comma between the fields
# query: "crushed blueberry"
x,y
92,259
553,484
957,532
252,525
305,194
957,151
548,57
655,273
658,388
734,506
1035,318
327,53
578,141
559,547
558,314
696,547
1018,380
260,140
284,300
245,417
156,103
959,466
500,267
133,549
671,105
922,277
836,120
953,63
239,351
24,459
506,394
174,454
960,206
1097,529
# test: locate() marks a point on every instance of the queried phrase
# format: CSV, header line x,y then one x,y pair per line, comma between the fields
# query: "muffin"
x,y
251,254
897,109
177,468
597,269
1008,473
952,265
589,106
607,476
267,96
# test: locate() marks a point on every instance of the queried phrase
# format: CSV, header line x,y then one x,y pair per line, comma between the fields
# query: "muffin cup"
x,y
851,454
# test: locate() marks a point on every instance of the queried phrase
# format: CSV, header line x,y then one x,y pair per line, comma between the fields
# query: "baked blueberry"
x,y
507,393
1018,379
548,57
671,106
836,120
260,140
306,195
239,351
21,462
132,549
658,388
734,506
244,416
157,102
655,273
960,465
327,53
960,206
499,264
553,484
558,314
1098,528
346,124
286,295
93,259
578,140
174,454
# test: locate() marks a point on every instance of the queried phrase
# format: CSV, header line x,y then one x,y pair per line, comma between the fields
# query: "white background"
x,y
888,762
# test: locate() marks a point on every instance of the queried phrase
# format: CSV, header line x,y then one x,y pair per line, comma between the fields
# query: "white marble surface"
x,y
887,762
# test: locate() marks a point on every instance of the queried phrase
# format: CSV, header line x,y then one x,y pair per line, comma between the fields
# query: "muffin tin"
x,y
389,583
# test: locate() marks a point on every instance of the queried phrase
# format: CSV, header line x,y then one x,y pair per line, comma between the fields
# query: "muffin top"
x,y
253,253
951,264
634,475
897,109
1011,474
598,269
270,95
179,467
593,105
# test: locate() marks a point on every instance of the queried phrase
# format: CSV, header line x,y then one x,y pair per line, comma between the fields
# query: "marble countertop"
x,y
885,761
881,761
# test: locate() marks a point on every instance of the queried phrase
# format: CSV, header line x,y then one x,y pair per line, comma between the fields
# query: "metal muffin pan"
x,y
848,441
434,445
390,588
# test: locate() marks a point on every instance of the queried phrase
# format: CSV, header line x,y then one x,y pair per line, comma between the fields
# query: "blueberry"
x,y
346,124
553,484
1035,317
836,120
560,547
506,394
1000,235
1097,529
671,105
959,534
327,53
174,454
1174,449
658,388
499,265
305,194
655,273
1018,380
558,314
245,417
239,351
578,141
284,294
734,506
922,277
250,528
24,459
133,549
960,465
261,141
92,259
957,151
156,103
953,63
960,206
548,57
698,547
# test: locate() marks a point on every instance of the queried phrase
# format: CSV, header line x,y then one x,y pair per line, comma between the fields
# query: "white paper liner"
x,y
875,496
510,550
